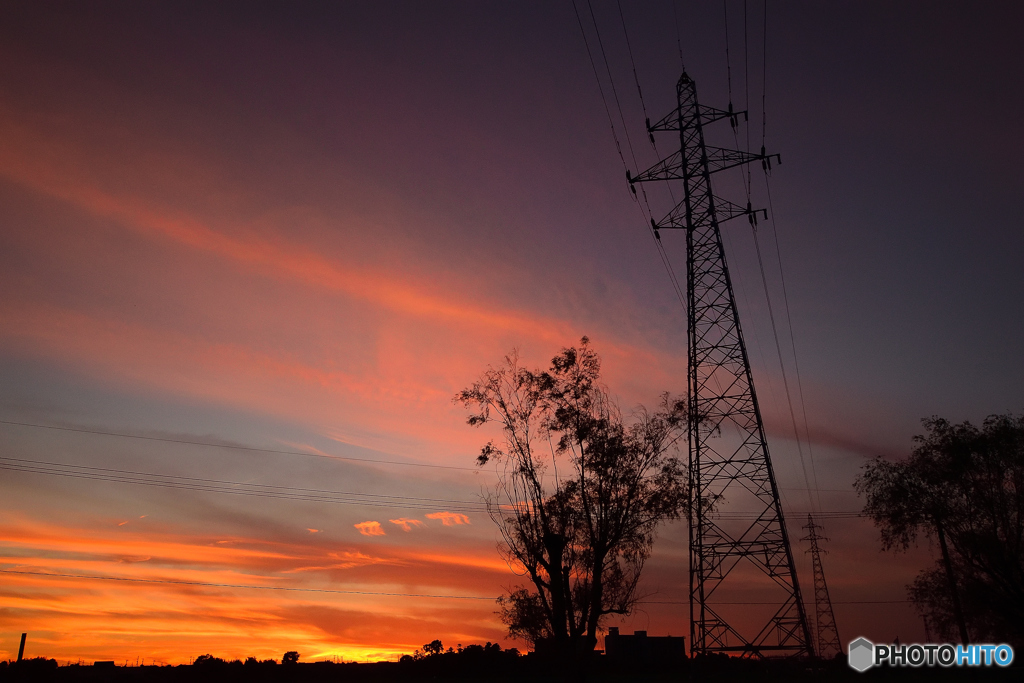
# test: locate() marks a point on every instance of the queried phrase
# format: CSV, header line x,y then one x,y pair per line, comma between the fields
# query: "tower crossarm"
x,y
671,122
724,211
721,159
676,167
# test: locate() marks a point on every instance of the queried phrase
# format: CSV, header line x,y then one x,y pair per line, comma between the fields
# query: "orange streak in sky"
x,y
23,164
37,161
102,619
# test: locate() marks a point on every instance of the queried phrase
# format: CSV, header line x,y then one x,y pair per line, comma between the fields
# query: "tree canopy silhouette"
x,y
964,487
580,493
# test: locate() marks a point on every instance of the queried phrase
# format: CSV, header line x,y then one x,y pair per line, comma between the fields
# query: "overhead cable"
x,y
201,484
237,447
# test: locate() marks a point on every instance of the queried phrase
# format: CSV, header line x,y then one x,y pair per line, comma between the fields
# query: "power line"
x,y
662,254
746,82
728,61
239,585
649,215
232,487
615,94
611,82
237,447
778,253
764,73
792,338
785,380
679,39
748,186
629,48
209,584
600,87
206,485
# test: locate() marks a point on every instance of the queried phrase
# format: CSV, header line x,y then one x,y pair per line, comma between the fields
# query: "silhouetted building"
x,y
548,648
640,648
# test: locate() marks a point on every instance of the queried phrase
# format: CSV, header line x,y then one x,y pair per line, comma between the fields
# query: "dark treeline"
x,y
479,663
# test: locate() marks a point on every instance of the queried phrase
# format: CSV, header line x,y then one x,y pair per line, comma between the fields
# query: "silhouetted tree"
x,y
252,661
290,657
33,669
434,647
964,487
580,492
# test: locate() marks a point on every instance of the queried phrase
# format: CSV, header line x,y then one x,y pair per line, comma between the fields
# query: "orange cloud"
x,y
449,518
406,523
370,528
314,531
191,594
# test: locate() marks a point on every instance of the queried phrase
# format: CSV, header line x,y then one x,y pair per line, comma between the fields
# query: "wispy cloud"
x,y
406,523
448,518
370,528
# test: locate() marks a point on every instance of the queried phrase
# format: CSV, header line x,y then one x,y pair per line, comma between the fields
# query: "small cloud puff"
x,y
449,518
406,523
370,528
314,531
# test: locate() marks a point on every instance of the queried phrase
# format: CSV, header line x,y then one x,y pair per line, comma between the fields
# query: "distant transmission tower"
x,y
825,621
732,559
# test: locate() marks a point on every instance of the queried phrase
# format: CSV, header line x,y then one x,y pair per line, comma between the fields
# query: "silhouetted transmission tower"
x,y
732,480
828,644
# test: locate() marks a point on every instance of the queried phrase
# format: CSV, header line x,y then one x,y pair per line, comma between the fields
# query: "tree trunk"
x,y
554,544
596,599
958,611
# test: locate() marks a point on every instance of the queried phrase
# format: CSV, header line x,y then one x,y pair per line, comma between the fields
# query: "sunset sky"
x,y
255,245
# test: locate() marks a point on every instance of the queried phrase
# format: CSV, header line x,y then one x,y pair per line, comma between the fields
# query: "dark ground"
x,y
498,669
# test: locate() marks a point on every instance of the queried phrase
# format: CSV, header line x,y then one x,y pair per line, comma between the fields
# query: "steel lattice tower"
x,y
732,481
828,643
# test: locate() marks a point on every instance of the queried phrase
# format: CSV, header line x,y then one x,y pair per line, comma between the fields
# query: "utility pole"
x,y
828,643
21,648
731,475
